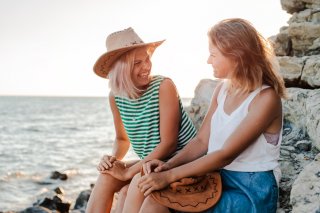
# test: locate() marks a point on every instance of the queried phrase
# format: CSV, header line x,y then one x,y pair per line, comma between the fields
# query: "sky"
x,y
48,47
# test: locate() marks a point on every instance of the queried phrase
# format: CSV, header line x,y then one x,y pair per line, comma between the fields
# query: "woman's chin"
x,y
215,75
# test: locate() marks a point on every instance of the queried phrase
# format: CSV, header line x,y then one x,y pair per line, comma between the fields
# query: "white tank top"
x,y
260,155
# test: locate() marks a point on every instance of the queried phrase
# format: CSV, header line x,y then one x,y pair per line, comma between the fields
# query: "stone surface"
x,y
282,43
302,109
303,72
292,6
291,69
302,36
82,200
200,103
305,193
311,71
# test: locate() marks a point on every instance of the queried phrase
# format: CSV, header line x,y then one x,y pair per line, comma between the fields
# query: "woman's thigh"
x,y
247,192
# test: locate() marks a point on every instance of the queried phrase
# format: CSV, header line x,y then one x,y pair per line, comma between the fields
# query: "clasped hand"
x,y
155,177
110,165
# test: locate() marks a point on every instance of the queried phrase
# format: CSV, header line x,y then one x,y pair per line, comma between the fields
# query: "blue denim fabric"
x,y
249,192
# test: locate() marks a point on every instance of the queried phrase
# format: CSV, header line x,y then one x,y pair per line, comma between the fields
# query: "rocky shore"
x,y
297,47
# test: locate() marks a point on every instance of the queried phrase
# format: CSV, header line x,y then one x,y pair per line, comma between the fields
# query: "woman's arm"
x,y
198,146
170,116
263,111
122,142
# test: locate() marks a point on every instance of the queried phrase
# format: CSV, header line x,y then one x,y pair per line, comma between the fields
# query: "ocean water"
x,y
39,135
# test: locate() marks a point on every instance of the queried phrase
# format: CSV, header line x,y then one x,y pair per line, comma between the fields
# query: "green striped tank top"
x,y
141,119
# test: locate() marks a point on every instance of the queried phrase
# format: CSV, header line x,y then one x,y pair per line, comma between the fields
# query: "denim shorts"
x,y
249,192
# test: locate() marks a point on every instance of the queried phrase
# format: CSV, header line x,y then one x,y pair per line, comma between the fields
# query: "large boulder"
x,y
303,72
305,196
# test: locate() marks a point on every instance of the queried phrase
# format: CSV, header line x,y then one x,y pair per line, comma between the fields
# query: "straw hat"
x,y
117,44
193,194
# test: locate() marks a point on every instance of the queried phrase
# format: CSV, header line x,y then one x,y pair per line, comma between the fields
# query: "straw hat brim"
x,y
194,202
105,62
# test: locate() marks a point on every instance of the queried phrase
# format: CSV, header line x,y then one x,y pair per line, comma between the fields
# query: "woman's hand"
x,y
155,166
151,182
106,163
119,170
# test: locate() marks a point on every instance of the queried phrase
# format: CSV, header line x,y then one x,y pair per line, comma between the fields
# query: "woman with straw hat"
x,y
147,114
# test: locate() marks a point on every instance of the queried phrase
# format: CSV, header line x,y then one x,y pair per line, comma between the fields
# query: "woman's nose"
x,y
208,60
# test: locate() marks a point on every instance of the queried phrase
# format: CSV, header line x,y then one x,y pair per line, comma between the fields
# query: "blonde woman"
x,y
241,133
147,114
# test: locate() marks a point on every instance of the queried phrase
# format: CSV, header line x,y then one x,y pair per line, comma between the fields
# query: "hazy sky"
x,y
48,47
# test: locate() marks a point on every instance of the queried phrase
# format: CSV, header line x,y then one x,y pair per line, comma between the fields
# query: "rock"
x,y
200,103
36,209
315,46
82,199
282,43
63,177
54,203
47,203
302,110
302,36
304,145
59,190
305,193
204,91
302,72
311,71
291,69
57,175
307,15
292,6
63,207
77,211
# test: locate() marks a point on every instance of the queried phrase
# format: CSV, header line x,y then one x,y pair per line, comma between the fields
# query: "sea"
x,y
40,135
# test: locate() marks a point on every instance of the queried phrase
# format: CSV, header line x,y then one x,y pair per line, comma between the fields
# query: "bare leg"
x,y
150,205
134,198
121,199
101,197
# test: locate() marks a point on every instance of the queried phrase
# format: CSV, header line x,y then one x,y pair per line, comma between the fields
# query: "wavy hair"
x,y
256,63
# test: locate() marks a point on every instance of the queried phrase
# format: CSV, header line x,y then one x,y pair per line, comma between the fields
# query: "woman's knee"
x,y
123,191
136,177
150,205
135,180
108,182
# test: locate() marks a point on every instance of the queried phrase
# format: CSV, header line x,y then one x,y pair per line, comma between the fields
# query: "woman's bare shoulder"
x,y
267,100
167,86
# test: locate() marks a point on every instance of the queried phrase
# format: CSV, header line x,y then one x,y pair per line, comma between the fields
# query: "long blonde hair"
x,y
238,40
120,81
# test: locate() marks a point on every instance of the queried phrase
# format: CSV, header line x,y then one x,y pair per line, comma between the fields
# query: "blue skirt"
x,y
249,192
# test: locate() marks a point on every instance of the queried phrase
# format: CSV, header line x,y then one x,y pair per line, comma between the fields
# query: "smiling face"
x,y
140,74
222,65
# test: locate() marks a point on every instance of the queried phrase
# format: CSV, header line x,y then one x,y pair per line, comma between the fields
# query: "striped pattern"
x,y
141,120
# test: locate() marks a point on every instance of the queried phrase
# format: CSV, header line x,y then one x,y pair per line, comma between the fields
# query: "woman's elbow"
x,y
172,149
169,150
226,158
